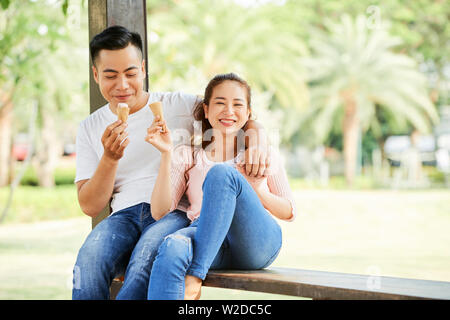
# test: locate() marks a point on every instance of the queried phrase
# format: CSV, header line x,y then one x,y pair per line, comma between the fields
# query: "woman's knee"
x,y
220,172
259,254
257,261
273,247
175,249
271,259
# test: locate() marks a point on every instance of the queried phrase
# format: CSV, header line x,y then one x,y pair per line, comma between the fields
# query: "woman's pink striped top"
x,y
187,176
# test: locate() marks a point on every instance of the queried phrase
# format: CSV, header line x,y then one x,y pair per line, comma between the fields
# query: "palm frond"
x,y
351,57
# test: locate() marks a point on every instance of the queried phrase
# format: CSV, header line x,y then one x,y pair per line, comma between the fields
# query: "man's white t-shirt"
x,y
138,168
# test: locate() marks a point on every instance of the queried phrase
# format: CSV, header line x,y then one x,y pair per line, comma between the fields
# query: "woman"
x,y
232,214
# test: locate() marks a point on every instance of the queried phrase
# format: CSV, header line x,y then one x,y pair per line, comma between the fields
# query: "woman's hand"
x,y
258,184
276,205
158,137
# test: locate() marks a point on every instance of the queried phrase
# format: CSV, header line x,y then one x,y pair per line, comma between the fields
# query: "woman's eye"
x,y
110,77
131,75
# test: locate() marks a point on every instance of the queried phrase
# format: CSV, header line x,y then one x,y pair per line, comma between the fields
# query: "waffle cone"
x,y
122,112
157,109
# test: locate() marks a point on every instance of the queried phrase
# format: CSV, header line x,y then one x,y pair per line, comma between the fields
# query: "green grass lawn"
x,y
383,232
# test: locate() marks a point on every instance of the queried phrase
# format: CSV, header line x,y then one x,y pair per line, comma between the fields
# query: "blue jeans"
x,y
234,231
125,242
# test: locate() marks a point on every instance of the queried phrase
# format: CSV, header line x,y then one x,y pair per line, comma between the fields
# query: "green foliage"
x,y
422,24
336,183
63,176
34,44
192,41
31,204
5,4
42,57
64,6
350,59
436,176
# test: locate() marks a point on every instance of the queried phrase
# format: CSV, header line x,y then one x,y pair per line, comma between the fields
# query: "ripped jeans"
x,y
125,242
233,231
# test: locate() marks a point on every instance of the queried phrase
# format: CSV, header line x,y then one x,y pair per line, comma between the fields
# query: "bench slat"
x,y
327,285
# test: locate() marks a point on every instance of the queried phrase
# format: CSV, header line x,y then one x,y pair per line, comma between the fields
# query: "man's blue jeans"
x,y
126,241
234,231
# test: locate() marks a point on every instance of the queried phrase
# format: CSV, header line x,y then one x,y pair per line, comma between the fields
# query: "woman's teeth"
x,y
227,121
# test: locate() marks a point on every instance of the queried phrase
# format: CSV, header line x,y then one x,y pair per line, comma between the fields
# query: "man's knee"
x,y
89,252
96,243
95,256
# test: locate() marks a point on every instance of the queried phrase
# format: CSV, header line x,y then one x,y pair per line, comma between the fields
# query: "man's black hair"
x,y
114,38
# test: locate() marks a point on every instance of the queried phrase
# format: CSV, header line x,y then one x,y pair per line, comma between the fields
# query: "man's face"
x,y
120,75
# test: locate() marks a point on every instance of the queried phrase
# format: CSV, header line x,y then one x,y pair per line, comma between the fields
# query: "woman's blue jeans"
x,y
234,231
125,242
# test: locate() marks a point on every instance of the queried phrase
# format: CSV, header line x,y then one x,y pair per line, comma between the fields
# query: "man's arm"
x,y
95,193
257,151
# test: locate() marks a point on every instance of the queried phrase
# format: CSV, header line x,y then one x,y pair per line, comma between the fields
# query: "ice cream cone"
x,y
156,108
122,112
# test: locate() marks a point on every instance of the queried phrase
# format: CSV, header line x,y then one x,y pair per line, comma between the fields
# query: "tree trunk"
x,y
49,150
6,115
350,131
18,178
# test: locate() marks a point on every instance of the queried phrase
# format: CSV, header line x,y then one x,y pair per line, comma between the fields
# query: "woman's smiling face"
x,y
228,109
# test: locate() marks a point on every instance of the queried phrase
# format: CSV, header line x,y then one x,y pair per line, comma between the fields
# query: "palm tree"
x,y
353,71
195,40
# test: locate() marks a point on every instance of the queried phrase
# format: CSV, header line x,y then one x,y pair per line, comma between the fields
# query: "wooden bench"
x,y
321,284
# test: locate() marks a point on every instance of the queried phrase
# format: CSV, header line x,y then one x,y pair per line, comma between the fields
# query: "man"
x,y
114,163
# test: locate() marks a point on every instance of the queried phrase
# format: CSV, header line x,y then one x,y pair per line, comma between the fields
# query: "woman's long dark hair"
x,y
199,113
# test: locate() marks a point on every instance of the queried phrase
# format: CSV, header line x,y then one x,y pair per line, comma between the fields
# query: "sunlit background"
x,y
355,94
